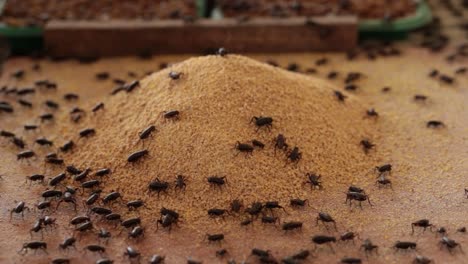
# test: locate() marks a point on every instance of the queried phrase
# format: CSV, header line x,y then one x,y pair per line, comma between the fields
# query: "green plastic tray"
x,y
396,29
201,7
22,40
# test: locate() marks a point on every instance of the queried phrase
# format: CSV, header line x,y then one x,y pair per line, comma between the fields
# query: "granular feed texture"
x,y
217,99
286,8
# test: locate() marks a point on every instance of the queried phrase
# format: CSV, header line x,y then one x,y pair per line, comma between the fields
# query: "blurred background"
x,y
404,58
181,26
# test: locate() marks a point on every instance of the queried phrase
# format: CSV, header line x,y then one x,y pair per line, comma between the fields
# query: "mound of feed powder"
x,y
217,97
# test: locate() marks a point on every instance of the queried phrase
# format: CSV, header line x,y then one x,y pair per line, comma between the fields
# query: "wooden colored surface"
x,y
255,35
429,165
429,175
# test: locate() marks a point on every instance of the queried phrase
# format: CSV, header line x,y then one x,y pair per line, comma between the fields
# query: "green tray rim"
x,y
201,6
15,32
421,17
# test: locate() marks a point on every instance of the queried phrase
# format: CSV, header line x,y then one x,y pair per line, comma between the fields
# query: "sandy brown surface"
x,y
428,179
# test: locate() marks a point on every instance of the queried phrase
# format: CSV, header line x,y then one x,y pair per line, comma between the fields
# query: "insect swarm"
x,y
197,179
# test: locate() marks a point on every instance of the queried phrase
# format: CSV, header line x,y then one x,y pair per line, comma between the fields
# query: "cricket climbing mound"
x,y
217,98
